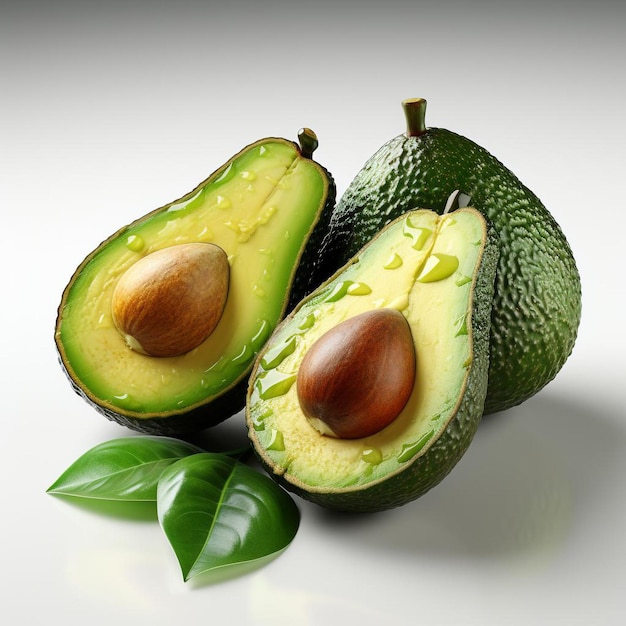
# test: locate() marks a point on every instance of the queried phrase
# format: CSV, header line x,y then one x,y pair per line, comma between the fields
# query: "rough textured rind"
x,y
537,304
435,461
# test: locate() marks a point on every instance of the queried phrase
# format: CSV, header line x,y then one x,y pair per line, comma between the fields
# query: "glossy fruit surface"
x,y
437,273
357,377
260,208
171,300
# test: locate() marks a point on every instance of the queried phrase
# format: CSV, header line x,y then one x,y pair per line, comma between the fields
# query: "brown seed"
x,y
171,300
356,378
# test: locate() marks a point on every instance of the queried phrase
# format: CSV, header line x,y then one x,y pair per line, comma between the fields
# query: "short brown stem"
x,y
415,113
308,142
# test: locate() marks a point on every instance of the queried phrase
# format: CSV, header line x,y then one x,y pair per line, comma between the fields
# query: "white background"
x,y
110,111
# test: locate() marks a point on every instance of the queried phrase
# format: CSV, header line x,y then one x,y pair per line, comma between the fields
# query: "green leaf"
x,y
217,512
122,469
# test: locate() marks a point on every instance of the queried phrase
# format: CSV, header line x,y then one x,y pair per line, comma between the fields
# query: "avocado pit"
x,y
357,377
171,300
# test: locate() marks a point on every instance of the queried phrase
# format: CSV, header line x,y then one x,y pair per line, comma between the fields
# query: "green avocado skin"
x,y
429,469
174,424
537,303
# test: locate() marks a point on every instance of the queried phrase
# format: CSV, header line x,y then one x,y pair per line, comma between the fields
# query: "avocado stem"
x,y
415,113
308,142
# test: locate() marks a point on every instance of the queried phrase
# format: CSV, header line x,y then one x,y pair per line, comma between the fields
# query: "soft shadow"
x,y
229,435
529,476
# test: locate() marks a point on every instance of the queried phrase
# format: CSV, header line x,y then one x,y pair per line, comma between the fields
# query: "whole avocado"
x,y
537,305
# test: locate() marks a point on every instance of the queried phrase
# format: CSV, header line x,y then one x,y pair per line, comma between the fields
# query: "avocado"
x,y
340,358
537,307
159,325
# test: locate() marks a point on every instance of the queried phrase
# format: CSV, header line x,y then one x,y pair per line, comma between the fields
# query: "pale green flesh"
x,y
423,265
259,210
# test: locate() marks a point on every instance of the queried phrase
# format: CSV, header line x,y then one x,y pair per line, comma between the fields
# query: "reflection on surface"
x,y
274,605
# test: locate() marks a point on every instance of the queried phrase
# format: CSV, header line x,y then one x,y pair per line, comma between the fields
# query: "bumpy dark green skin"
x,y
435,463
537,305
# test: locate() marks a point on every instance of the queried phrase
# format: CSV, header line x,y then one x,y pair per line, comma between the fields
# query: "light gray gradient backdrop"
x,y
109,110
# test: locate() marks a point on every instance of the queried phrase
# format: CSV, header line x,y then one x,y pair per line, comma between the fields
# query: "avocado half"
x,y
261,208
438,272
